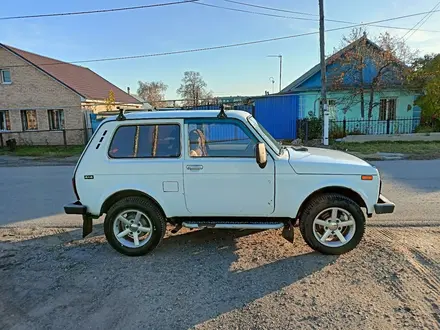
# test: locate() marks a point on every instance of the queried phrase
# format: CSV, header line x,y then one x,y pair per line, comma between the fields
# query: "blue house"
x,y
392,102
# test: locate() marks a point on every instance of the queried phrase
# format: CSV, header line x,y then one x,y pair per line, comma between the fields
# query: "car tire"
x,y
351,224
150,212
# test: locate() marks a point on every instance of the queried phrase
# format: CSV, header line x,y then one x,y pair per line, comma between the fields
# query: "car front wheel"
x,y
332,224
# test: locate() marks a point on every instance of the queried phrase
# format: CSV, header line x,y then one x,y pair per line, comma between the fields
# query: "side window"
x,y
220,138
146,141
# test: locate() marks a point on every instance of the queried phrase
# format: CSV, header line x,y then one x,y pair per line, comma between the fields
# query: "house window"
x,y
331,107
332,110
387,109
29,120
5,124
56,119
301,107
5,76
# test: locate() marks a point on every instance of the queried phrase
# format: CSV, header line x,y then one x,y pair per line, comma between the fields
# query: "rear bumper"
x,y
78,208
384,205
75,208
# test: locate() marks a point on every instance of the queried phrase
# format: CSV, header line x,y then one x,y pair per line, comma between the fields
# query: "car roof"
x,y
170,114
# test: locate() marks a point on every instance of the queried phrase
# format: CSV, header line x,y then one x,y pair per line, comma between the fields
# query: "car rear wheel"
x,y
134,226
332,224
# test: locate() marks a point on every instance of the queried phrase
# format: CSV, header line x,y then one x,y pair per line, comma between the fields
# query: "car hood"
x,y
327,161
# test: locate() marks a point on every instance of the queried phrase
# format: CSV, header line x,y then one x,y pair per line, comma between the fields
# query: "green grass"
x,y
417,149
44,151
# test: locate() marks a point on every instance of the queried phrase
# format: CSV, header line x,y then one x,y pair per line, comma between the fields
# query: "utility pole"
x,y
324,109
281,69
281,66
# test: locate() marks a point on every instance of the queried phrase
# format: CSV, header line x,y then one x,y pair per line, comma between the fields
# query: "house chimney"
x,y
128,90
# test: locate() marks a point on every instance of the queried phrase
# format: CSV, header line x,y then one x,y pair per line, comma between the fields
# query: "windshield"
x,y
274,144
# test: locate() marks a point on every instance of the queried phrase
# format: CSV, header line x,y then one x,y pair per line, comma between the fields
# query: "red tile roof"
x,y
80,79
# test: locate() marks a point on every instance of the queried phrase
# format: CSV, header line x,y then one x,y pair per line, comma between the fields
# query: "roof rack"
x,y
222,113
121,114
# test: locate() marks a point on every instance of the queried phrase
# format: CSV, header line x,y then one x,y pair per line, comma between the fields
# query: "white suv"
x,y
218,169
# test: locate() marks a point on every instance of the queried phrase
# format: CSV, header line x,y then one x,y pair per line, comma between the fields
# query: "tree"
x,y
388,60
110,100
193,89
352,64
426,77
152,92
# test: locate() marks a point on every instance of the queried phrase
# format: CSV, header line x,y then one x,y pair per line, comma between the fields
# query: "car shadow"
x,y
191,278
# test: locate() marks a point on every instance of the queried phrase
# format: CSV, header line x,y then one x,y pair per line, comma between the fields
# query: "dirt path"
x,y
50,278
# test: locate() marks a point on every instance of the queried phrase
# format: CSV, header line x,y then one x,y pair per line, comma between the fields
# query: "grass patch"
x,y
44,151
416,148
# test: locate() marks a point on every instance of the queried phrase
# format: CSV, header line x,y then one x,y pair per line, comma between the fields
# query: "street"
x,y
35,195
50,278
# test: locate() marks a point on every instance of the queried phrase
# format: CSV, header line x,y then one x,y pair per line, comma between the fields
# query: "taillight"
x,y
74,188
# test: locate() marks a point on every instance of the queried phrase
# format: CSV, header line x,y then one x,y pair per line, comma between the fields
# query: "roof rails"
x,y
121,114
222,113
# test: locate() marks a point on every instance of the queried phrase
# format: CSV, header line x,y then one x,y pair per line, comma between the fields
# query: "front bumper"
x,y
75,208
384,205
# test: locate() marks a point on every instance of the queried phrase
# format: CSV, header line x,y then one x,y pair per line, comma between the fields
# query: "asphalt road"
x,y
34,196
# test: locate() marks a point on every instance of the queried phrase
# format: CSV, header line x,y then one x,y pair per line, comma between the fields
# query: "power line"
x,y
98,10
194,50
271,8
421,22
172,52
255,12
302,18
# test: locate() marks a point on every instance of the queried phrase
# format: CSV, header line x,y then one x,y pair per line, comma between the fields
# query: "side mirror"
x,y
261,155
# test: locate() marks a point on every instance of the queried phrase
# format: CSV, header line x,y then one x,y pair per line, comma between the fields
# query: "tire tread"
x,y
153,212
322,202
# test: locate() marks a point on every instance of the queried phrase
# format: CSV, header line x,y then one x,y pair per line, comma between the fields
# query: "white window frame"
x,y
334,109
1,77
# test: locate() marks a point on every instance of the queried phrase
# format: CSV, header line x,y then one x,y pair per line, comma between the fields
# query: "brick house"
x,y
42,100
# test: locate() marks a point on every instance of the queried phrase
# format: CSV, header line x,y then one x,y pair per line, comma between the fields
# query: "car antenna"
x,y
121,114
222,113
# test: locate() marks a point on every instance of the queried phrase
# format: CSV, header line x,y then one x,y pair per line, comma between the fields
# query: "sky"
x,y
242,70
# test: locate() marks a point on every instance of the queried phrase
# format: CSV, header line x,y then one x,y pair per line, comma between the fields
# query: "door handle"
x,y
194,167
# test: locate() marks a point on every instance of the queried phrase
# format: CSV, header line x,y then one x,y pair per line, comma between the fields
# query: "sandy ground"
x,y
53,279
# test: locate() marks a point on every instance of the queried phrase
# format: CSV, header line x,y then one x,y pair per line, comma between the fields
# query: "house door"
x,y
221,175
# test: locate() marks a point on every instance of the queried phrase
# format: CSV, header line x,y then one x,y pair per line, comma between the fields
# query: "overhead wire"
x,y
299,18
220,46
97,11
270,8
416,27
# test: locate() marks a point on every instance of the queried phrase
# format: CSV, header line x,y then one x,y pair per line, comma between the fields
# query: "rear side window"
x,y
146,141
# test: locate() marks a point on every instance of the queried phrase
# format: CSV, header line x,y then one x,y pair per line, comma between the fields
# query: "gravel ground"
x,y
52,279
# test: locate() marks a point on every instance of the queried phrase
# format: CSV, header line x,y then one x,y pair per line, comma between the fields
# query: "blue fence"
x,y
242,107
94,121
278,114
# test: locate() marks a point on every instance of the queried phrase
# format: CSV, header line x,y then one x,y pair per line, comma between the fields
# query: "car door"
x,y
221,175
